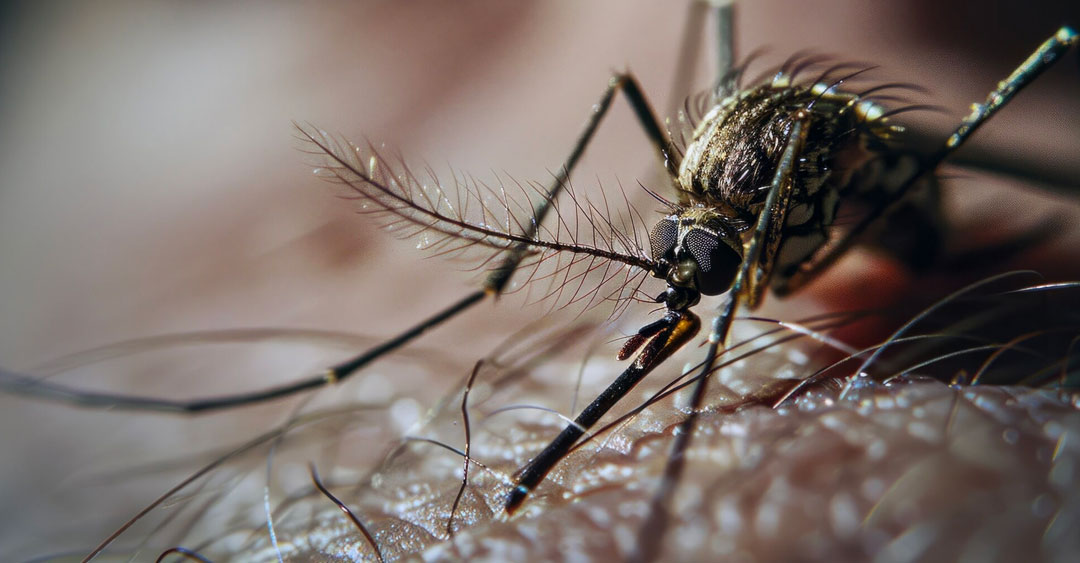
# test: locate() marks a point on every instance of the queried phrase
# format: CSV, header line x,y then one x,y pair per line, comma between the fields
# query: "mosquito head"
x,y
698,249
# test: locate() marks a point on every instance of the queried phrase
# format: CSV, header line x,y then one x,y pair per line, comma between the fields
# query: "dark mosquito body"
x,y
758,185
722,181
729,165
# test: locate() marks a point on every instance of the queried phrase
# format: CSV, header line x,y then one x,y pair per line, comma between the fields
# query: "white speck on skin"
x,y
833,421
1052,429
797,356
843,514
374,387
919,429
633,508
873,488
728,518
876,449
767,520
733,429
884,402
405,413
691,538
626,538
599,515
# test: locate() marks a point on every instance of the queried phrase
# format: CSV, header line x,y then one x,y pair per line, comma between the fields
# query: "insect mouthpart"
x,y
698,249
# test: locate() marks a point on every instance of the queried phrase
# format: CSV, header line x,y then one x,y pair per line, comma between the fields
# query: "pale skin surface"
x,y
149,185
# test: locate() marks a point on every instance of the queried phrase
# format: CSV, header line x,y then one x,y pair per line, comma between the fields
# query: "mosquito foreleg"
x,y
751,278
492,286
664,338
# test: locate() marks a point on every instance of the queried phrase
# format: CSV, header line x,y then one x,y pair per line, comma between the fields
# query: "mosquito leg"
x,y
492,286
689,52
690,48
1046,55
678,327
1039,61
628,85
11,382
751,279
681,92
649,122
725,36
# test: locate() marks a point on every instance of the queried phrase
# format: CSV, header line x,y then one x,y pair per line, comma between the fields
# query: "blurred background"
x,y
150,183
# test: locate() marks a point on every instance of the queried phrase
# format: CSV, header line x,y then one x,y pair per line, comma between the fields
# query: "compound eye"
x,y
717,261
663,237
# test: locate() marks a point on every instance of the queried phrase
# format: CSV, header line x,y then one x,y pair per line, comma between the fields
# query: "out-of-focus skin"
x,y
149,184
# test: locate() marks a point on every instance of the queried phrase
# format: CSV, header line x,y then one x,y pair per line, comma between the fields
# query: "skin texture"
x,y
149,185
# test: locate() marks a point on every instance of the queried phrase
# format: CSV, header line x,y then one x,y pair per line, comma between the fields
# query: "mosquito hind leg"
x,y
1044,56
496,281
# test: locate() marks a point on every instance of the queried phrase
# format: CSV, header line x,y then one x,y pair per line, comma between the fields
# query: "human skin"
x,y
150,185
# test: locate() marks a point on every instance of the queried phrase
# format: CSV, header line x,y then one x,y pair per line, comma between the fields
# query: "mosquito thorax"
x,y
730,162
734,151
728,168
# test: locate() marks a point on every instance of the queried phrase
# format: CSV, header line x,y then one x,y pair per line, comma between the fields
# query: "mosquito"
x,y
757,188
749,213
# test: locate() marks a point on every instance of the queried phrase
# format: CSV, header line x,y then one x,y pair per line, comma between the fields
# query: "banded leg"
x,y
750,282
690,48
660,339
664,337
493,286
1046,55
